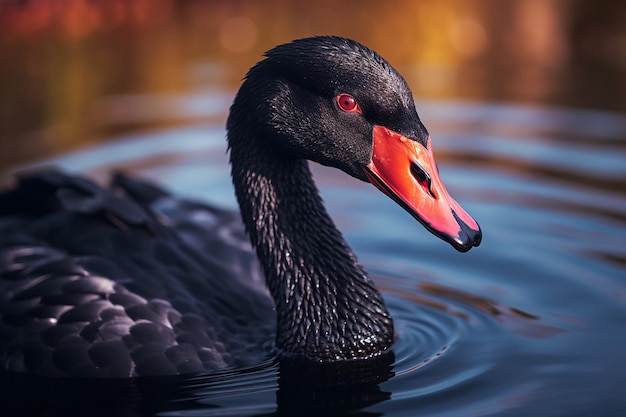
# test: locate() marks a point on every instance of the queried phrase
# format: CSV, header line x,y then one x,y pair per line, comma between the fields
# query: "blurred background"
x,y
75,72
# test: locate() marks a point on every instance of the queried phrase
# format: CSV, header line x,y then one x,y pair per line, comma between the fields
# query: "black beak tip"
x,y
467,238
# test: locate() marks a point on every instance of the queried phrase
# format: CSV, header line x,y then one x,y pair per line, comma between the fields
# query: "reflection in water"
x,y
286,389
313,389
514,319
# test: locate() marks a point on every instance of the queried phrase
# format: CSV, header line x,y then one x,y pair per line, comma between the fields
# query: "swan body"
x,y
127,280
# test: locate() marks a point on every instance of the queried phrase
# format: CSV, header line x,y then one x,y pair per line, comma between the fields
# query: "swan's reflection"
x,y
304,389
327,389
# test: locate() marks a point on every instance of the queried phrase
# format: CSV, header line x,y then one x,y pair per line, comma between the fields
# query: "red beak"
x,y
405,170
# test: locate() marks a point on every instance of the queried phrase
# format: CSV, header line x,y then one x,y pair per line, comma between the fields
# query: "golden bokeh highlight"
x,y
468,37
238,34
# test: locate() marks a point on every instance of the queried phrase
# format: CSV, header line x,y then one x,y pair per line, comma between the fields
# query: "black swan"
x,y
128,281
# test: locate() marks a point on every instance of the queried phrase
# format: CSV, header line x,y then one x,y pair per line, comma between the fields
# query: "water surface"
x,y
531,322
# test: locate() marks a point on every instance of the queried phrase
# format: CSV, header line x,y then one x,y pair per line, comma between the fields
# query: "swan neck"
x,y
327,307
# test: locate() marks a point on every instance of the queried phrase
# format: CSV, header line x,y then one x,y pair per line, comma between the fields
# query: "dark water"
x,y
533,322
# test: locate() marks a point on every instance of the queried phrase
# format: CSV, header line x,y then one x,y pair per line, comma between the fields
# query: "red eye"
x,y
348,103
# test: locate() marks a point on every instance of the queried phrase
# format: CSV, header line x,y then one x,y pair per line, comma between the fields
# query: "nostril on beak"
x,y
422,177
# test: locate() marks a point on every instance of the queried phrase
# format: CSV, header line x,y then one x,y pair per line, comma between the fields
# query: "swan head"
x,y
336,102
